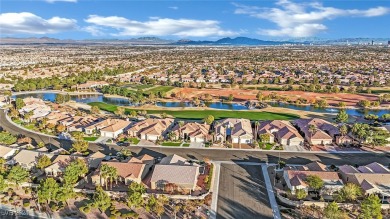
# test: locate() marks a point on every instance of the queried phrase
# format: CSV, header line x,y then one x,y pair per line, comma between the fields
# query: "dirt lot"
x,y
243,95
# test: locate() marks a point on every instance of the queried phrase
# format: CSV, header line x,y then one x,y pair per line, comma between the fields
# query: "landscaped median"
x,y
202,113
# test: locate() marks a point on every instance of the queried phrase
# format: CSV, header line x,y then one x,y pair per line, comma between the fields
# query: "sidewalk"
x,y
270,191
214,188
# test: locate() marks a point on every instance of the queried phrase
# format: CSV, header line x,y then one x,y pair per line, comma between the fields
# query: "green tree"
x,y
48,190
19,103
134,195
80,146
43,162
59,98
371,207
101,199
3,183
120,111
350,192
231,97
18,175
300,194
6,138
314,182
343,129
265,138
95,110
209,119
74,170
332,211
342,116
342,105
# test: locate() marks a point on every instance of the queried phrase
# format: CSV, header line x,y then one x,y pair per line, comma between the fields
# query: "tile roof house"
x,y
133,170
35,105
28,159
110,128
78,123
183,176
151,129
57,168
239,130
127,172
296,179
195,132
374,178
324,134
282,131
95,159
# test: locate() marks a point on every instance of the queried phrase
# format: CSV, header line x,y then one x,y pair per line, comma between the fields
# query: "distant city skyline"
x,y
198,20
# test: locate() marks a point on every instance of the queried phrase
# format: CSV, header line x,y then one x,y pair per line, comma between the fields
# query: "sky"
x,y
196,19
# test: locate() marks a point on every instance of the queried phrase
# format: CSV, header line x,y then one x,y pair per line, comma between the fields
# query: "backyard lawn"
x,y
185,145
200,114
168,143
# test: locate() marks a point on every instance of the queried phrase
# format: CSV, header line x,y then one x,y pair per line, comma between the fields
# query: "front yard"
x,y
170,143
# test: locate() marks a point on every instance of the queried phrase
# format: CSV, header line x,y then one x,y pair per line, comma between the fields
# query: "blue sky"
x,y
265,19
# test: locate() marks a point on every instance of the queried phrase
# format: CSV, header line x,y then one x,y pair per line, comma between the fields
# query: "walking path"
x,y
270,190
214,189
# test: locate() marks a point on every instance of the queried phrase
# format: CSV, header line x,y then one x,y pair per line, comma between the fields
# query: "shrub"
x,y
112,216
87,209
81,208
26,204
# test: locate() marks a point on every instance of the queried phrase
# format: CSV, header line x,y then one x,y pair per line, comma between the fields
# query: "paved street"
x,y
216,154
242,193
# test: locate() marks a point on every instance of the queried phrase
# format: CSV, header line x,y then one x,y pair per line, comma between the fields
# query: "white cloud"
x,y
52,1
174,7
160,27
28,23
302,19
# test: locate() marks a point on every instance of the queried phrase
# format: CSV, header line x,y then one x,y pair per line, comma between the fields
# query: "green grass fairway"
x,y
138,86
160,88
200,114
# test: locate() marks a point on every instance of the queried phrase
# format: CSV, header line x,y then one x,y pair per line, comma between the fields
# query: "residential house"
x,y
95,159
151,129
284,133
296,179
110,128
184,177
323,132
373,178
27,158
195,132
59,164
130,171
35,105
234,130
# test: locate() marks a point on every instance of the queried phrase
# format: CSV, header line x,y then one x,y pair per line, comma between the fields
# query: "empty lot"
x,y
242,192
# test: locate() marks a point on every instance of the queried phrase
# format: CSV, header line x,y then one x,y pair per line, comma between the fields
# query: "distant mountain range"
x,y
238,41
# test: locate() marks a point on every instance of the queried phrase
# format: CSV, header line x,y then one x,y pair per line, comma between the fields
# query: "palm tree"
x,y
343,130
312,129
113,174
350,192
104,173
180,123
256,129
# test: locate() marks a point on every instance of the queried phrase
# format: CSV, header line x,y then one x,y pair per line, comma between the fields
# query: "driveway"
x,y
196,145
294,148
242,193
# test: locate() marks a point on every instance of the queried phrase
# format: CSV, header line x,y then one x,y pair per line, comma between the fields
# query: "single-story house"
x,y
237,130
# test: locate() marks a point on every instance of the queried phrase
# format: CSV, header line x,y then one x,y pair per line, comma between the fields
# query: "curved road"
x,y
235,155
